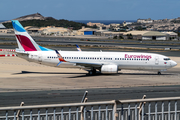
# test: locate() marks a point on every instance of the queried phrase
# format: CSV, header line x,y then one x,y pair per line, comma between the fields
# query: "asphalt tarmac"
x,y
96,42
94,94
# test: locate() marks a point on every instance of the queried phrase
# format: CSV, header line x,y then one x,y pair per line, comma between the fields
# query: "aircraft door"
x,y
156,60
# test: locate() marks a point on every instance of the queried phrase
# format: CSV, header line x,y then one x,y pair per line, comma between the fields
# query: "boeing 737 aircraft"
x,y
105,62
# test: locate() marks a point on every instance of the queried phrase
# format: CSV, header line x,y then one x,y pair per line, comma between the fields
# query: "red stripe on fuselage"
x,y
26,43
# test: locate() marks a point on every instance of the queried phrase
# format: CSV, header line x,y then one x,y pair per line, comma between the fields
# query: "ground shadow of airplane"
x,y
87,75
29,72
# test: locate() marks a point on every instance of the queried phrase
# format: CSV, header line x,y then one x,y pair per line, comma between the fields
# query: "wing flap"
x,y
89,65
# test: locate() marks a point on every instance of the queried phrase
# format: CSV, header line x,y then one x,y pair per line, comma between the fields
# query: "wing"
x,y
80,64
89,65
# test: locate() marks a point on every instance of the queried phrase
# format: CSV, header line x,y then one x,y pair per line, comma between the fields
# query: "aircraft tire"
x,y
92,72
159,73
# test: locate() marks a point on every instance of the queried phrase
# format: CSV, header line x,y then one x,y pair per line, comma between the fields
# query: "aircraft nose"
x,y
173,63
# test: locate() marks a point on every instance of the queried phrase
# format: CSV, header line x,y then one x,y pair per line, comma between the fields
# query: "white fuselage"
x,y
124,60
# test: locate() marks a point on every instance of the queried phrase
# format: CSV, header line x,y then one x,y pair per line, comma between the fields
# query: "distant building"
x,y
139,35
2,26
109,34
126,23
146,35
59,31
31,29
134,34
114,25
154,35
171,35
6,31
87,31
144,20
92,24
99,25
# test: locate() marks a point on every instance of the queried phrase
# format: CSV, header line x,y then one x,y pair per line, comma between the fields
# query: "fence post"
x,y
175,105
84,99
140,107
18,113
115,114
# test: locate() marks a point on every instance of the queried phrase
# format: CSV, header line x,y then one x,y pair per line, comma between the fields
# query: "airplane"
x,y
105,62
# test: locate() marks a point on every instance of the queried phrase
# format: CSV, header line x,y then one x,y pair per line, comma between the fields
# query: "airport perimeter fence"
x,y
137,109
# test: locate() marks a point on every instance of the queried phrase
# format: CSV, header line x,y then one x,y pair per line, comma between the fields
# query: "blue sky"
x,y
91,9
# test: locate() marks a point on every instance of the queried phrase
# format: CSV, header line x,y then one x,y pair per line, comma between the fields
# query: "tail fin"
x,y
61,59
24,40
78,48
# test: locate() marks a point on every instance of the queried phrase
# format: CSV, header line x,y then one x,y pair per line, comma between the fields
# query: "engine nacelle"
x,y
109,69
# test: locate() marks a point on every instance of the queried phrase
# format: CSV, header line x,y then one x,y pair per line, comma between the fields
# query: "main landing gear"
x,y
159,73
92,72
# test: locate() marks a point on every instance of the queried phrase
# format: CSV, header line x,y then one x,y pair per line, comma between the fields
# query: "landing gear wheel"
x,y
159,73
92,72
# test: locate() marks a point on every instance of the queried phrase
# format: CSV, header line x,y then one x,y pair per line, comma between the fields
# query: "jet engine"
x,y
109,69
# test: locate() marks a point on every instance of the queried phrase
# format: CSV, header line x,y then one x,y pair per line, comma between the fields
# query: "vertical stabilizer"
x,y
24,40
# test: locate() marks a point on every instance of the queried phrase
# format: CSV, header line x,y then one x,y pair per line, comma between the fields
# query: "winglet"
x,y
78,48
61,59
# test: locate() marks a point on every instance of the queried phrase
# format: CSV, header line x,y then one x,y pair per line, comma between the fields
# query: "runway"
x,y
22,81
55,41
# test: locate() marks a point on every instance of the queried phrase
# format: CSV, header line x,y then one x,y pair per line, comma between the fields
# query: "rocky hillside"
x,y
37,20
36,16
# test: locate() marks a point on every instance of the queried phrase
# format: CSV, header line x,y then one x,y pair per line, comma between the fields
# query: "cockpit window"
x,y
167,59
